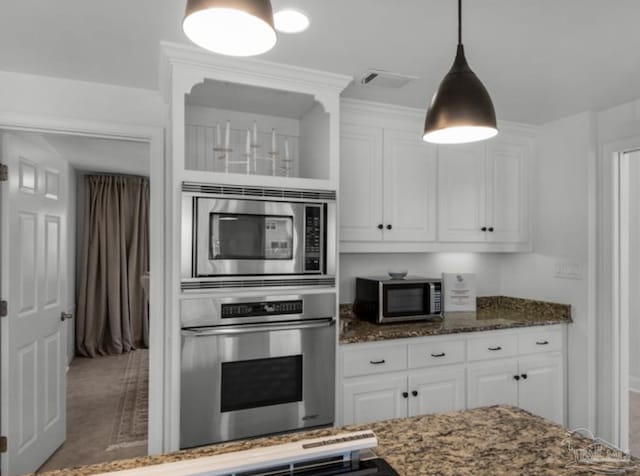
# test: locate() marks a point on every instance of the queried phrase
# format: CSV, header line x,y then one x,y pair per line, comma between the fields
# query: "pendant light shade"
x,y
231,27
461,109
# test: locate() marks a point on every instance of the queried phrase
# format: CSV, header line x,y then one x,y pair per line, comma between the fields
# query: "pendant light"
x,y
231,27
461,109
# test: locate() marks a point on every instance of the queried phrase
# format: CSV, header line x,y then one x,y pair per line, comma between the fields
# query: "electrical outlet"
x,y
567,270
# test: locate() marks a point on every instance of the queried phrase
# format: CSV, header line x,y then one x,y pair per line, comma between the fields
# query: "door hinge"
x,y
3,308
3,444
4,173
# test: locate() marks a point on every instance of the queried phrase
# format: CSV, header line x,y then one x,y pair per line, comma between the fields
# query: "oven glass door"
x,y
403,300
248,237
247,381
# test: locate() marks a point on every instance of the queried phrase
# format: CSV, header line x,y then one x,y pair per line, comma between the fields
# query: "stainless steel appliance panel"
x,y
208,311
271,360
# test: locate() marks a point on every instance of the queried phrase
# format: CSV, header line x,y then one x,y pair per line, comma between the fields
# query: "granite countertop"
x,y
495,312
499,440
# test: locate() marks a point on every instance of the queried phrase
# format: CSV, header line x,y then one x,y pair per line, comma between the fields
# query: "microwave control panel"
x,y
313,238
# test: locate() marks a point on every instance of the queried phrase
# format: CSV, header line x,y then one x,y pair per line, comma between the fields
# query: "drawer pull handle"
x,y
493,349
442,354
544,342
377,362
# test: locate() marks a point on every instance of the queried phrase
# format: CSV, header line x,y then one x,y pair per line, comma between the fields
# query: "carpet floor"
x,y
107,410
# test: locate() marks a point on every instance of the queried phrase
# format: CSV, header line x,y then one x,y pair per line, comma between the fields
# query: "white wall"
x,y
430,265
560,235
62,98
634,272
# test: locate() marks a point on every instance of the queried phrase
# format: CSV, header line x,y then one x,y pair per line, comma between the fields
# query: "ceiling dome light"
x,y
230,27
461,109
291,21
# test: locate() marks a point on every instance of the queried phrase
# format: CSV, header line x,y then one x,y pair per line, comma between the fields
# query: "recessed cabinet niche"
x,y
239,129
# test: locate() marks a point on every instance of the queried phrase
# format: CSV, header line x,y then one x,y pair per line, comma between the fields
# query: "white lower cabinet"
x,y
409,383
534,384
437,390
369,399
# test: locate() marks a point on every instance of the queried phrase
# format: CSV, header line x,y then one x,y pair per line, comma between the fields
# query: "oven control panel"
x,y
312,238
263,308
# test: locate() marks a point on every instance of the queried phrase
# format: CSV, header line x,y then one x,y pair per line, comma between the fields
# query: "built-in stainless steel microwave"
x,y
256,233
385,300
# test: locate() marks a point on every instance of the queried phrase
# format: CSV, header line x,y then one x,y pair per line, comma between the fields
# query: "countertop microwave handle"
x,y
250,328
432,300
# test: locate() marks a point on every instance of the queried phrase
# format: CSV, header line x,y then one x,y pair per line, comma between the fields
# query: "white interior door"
x,y
34,282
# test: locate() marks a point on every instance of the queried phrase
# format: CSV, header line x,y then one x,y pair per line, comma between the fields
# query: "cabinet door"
x,y
492,383
409,183
541,391
462,193
360,183
370,399
507,192
437,390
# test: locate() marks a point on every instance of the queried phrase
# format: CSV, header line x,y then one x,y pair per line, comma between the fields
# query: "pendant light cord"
x,y
459,22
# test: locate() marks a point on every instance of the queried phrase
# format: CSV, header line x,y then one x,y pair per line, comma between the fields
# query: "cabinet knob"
x,y
380,226
484,228
414,393
524,376
389,227
405,394
516,377
491,229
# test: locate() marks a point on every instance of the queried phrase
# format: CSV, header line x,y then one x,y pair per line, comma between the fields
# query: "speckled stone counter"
x,y
496,312
497,440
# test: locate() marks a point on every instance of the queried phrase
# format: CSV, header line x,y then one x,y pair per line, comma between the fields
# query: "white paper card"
x,y
459,292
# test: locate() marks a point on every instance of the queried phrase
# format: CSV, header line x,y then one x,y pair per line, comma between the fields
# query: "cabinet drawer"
x,y
436,353
491,347
374,360
546,340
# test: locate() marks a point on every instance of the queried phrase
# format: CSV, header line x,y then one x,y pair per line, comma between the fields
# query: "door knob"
x,y
65,315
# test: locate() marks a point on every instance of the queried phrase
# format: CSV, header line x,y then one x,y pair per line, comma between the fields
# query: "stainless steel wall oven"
x,y
257,235
256,365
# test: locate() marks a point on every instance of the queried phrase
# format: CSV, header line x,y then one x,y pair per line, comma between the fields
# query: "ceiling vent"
x,y
385,79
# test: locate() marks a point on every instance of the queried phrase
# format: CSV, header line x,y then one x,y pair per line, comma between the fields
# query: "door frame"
x,y
614,247
158,334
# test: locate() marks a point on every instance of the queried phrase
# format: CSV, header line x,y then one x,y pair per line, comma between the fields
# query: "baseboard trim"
x,y
634,384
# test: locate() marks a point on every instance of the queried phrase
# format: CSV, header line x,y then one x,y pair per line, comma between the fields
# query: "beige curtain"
x,y
112,315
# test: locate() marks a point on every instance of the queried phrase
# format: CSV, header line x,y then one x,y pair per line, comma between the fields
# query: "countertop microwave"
x,y
384,300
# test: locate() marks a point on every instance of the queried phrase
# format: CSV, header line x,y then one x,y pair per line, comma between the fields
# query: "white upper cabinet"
x,y
409,187
400,194
360,183
483,190
462,183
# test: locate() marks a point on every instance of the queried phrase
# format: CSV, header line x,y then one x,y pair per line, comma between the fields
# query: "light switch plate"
x,y
565,270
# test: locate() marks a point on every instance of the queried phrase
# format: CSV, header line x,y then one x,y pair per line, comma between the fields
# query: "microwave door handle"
x,y
251,328
432,300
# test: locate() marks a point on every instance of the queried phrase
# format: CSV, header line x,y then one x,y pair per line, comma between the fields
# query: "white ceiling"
x,y
540,59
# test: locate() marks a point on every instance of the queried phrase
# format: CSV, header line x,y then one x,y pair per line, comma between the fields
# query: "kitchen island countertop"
x,y
499,440
497,312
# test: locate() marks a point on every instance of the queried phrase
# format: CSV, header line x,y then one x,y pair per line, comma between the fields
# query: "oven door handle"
x,y
251,328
